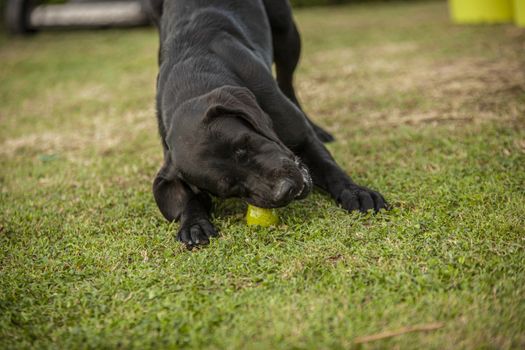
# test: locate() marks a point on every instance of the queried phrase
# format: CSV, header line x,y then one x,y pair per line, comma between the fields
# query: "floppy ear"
x,y
169,192
173,195
240,102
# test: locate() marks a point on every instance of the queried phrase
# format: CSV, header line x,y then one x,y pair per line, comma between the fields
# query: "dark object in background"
x,y
27,16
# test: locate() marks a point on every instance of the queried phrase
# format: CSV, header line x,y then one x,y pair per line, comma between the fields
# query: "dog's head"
x,y
223,143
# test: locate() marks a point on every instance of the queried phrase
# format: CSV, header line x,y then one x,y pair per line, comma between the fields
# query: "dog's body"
x,y
228,128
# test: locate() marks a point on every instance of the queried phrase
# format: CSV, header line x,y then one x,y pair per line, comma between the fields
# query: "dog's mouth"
x,y
307,180
261,202
284,191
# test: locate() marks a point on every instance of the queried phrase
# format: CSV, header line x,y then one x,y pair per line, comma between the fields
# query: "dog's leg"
x,y
287,50
327,174
177,201
290,125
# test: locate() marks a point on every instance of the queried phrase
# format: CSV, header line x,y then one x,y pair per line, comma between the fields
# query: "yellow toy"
x,y
519,12
261,217
481,11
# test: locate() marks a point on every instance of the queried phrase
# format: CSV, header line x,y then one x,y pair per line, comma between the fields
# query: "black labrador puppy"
x,y
228,128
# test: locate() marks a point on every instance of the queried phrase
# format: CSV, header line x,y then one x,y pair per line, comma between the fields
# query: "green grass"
x,y
431,114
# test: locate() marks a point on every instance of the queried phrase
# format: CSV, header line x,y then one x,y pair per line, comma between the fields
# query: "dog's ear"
x,y
240,102
172,194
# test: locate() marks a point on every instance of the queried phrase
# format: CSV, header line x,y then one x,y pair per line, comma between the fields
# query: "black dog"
x,y
228,128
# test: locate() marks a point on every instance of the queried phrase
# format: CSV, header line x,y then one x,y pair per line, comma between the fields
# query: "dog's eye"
x,y
240,153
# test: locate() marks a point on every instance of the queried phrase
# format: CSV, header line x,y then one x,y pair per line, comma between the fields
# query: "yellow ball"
x,y
261,217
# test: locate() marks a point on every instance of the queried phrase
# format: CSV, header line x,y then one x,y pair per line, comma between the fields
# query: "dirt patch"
x,y
399,88
463,90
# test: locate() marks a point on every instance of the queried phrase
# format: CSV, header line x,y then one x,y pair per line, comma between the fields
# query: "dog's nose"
x,y
284,190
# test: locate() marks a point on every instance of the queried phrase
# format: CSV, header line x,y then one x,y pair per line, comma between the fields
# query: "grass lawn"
x,y
430,114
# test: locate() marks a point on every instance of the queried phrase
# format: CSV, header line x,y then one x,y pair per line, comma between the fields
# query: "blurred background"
x,y
26,16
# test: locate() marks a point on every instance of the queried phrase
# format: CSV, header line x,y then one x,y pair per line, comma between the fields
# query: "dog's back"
x,y
190,26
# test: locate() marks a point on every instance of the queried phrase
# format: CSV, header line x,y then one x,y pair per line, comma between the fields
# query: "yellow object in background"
x,y
261,217
519,12
481,11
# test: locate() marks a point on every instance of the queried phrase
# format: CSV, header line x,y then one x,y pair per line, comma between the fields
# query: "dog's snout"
x,y
283,190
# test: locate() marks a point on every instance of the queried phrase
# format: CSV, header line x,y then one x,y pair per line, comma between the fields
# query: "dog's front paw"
x,y
361,198
196,232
